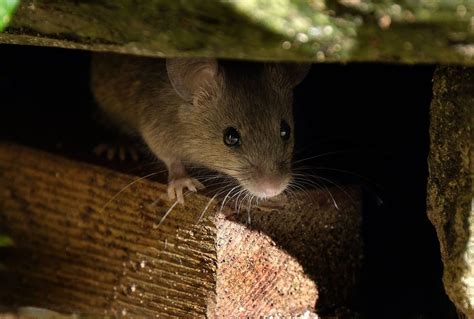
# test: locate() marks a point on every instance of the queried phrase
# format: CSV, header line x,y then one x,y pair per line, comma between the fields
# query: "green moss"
x,y
5,241
311,30
7,7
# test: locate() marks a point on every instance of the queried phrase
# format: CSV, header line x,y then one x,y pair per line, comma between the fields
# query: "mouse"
x,y
232,117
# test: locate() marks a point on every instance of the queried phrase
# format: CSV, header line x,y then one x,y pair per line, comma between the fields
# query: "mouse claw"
x,y
176,186
116,152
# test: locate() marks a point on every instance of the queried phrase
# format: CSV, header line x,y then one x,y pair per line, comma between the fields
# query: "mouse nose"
x,y
270,189
270,186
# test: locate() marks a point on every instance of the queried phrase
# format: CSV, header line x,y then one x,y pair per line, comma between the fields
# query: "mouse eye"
x,y
285,131
231,137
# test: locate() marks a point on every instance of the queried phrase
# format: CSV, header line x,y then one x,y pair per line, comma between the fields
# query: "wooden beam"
x,y
84,244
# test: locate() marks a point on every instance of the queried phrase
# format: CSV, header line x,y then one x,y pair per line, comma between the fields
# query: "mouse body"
x,y
232,117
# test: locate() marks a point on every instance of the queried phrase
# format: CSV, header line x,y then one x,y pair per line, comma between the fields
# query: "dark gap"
x,y
370,120
373,120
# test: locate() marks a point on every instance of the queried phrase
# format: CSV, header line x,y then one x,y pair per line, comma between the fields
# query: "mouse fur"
x,y
182,107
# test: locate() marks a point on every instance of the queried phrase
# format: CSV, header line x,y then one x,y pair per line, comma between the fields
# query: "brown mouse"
x,y
232,117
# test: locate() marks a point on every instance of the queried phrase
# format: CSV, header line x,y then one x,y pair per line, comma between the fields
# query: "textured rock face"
x,y
450,186
316,30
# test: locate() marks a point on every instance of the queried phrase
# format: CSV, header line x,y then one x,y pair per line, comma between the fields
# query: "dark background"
x,y
370,121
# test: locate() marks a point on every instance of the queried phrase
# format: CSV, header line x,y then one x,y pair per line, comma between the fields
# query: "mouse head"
x,y
237,118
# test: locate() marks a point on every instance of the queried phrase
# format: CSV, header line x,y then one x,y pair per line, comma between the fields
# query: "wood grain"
x,y
78,251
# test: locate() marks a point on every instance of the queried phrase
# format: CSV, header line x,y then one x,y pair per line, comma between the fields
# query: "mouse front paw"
x,y
176,186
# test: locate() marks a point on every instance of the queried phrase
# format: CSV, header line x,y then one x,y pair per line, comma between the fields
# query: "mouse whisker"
x,y
167,213
170,209
217,183
124,189
205,208
242,201
237,194
350,173
243,191
249,219
249,206
249,201
302,168
226,196
221,184
208,179
323,187
246,195
335,184
289,191
321,155
305,181
224,168
224,188
297,188
309,146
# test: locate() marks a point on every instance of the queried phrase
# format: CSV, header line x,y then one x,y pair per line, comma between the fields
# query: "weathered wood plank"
x,y
352,30
72,254
450,185
75,256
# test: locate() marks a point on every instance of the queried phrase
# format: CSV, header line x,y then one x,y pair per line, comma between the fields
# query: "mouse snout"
x,y
268,186
268,180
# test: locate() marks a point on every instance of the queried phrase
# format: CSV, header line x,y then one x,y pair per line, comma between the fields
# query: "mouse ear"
x,y
188,75
288,73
